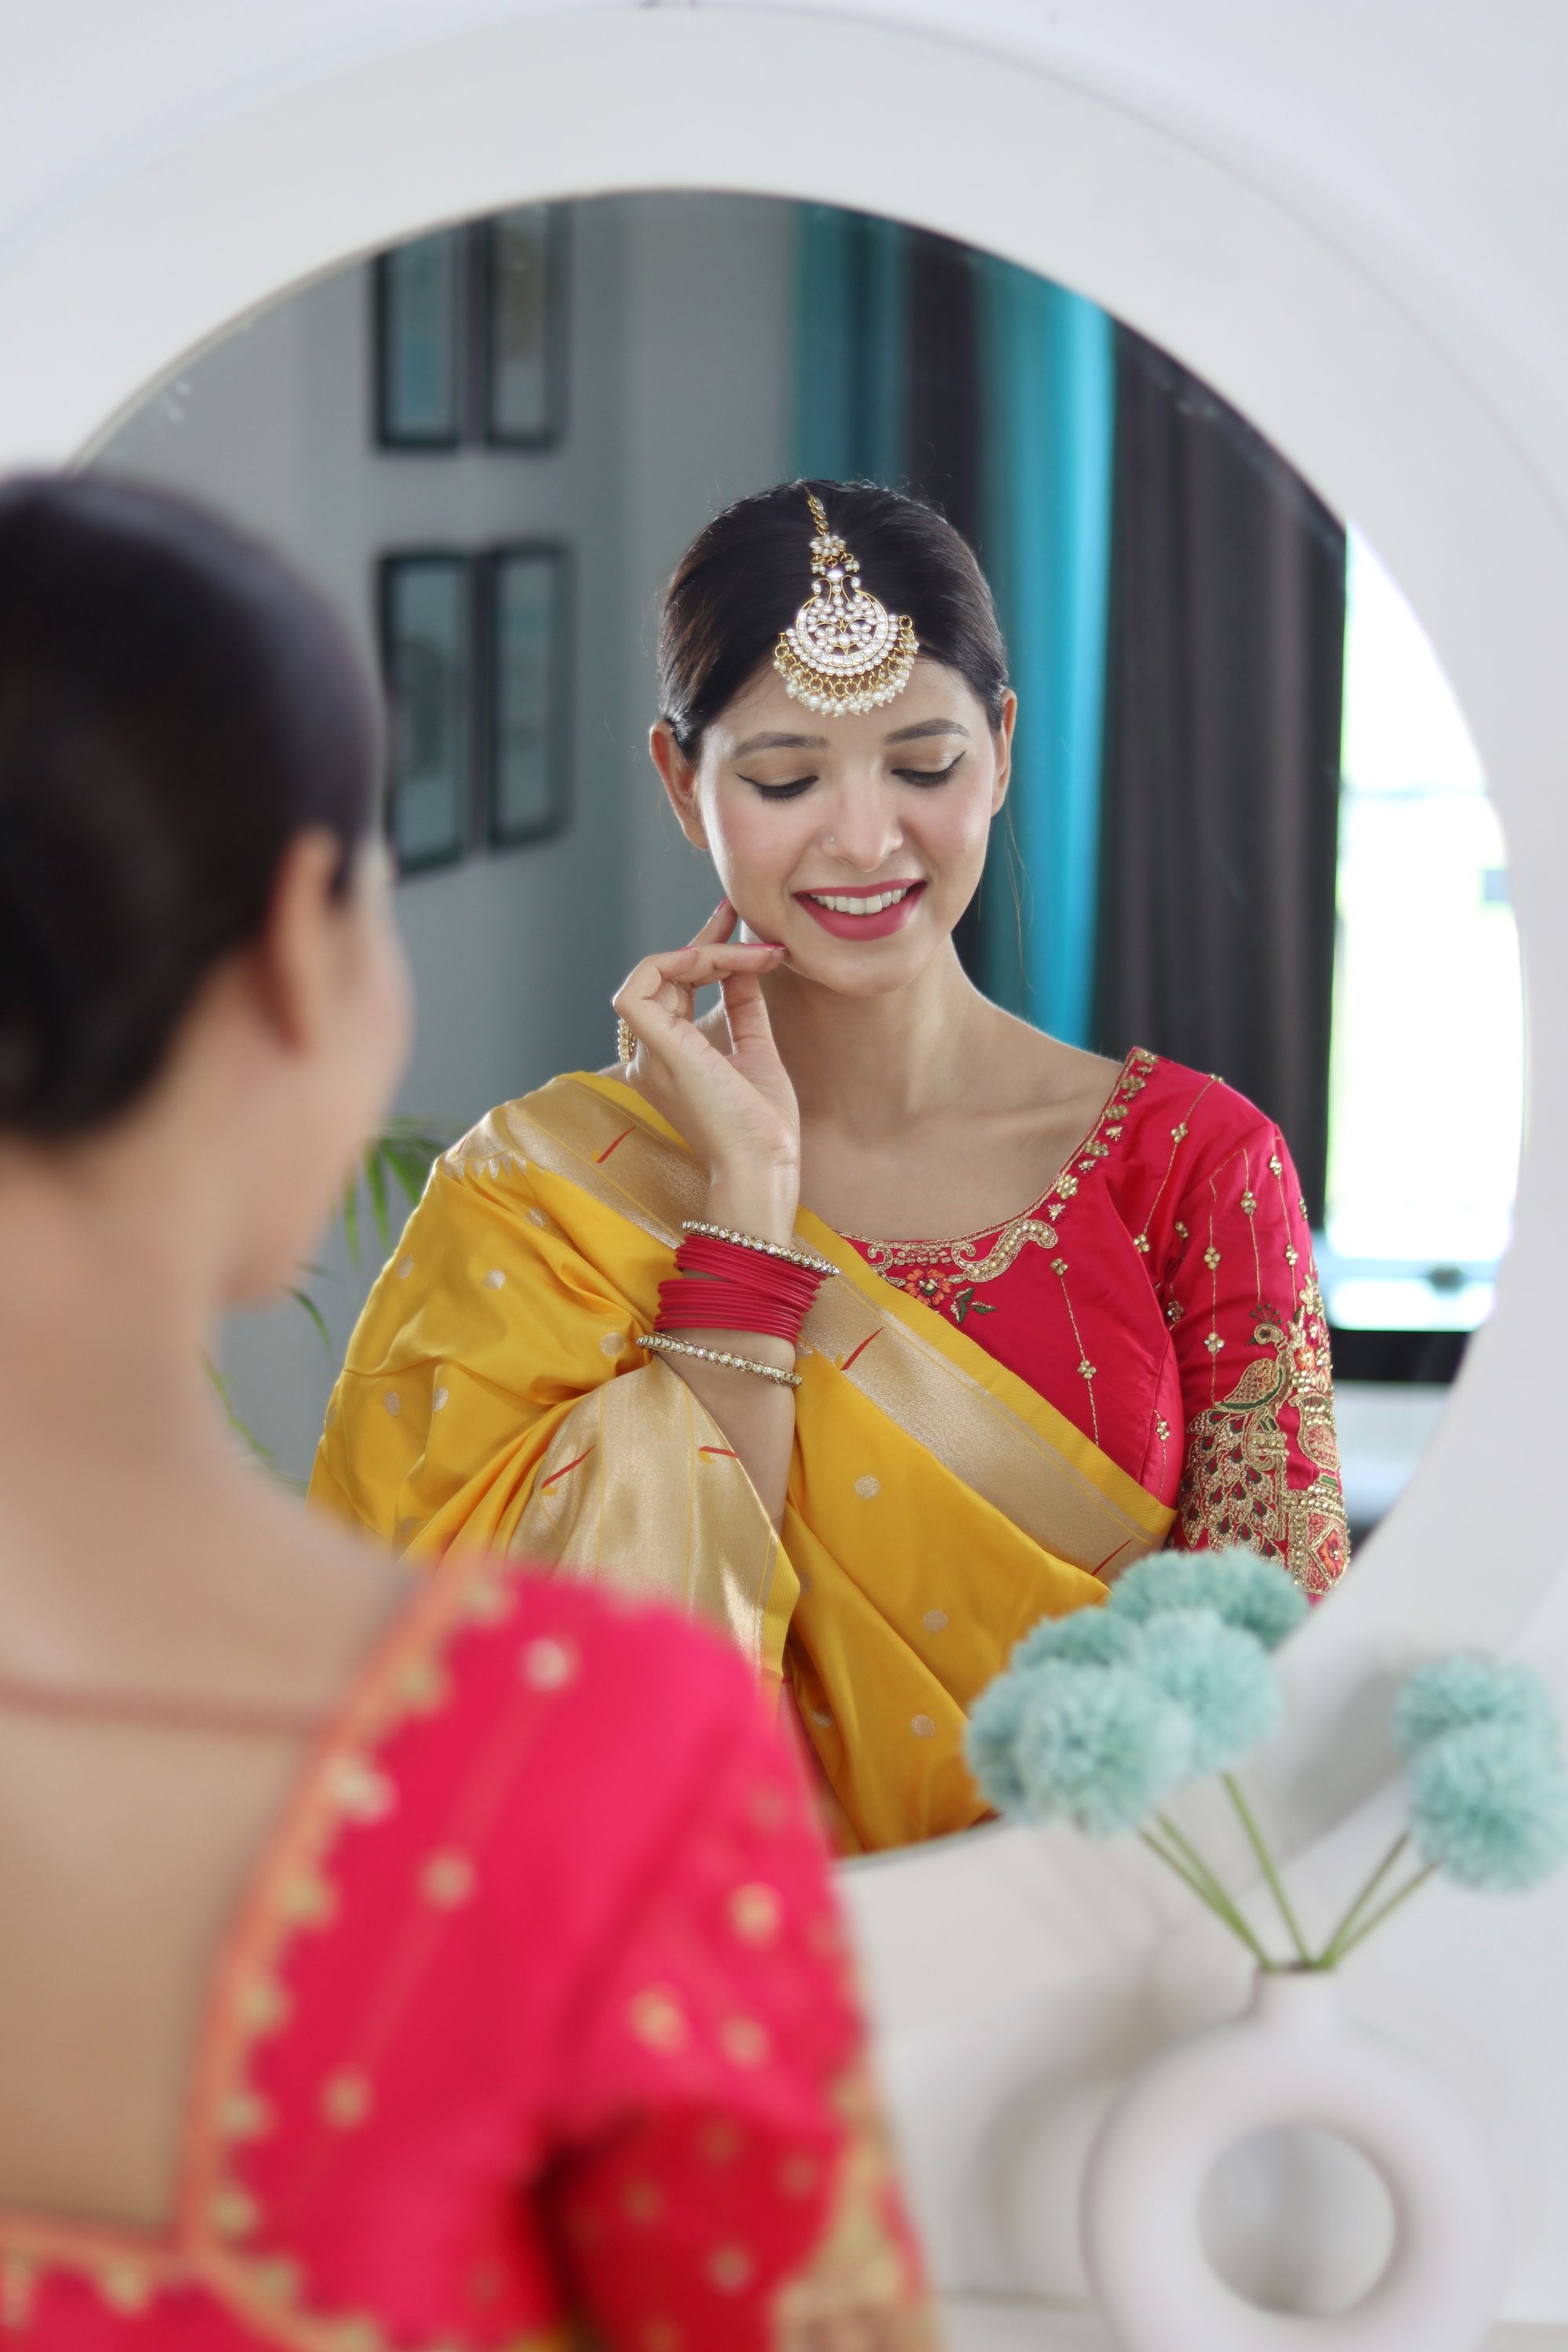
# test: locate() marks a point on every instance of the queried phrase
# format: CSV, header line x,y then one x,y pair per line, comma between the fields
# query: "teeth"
x,y
872,906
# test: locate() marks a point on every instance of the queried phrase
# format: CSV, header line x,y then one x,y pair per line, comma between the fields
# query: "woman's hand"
x,y
735,1109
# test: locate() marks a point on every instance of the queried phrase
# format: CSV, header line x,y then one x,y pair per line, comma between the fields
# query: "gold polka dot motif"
x,y
923,1727
246,2115
308,1900
549,1664
798,2175
658,2018
233,2213
744,2042
125,2286
262,2005
730,2269
359,1790
756,1913
642,2202
346,2099
447,1879
867,1487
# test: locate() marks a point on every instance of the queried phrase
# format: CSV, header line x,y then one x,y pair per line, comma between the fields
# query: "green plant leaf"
x,y
348,1210
315,1316
375,1184
261,1453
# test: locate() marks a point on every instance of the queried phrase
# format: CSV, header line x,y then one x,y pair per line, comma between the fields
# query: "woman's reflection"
x,y
1074,1314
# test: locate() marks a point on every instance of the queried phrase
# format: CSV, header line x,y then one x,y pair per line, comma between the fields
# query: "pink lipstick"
x,y
893,904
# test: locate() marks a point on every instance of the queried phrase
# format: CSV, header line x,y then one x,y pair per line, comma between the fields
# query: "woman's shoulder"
x,y
1164,1103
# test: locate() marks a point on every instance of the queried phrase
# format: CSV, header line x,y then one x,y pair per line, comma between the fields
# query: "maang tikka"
x,y
845,652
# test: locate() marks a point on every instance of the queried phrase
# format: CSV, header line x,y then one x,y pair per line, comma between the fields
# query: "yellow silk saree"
x,y
494,1397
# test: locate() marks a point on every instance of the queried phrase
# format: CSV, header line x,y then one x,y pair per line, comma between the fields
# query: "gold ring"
x,y
625,1042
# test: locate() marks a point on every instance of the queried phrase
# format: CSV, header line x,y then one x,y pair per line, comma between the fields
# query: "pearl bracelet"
x,y
812,1264
660,1343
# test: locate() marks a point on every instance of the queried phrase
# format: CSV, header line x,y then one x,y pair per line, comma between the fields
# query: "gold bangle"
x,y
660,1343
812,1264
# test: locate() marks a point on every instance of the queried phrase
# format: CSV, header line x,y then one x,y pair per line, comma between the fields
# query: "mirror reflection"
x,y
1091,995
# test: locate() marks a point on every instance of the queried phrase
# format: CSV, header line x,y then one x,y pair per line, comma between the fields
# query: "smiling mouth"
x,y
860,902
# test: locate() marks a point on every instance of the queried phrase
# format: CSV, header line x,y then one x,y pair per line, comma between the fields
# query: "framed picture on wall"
x,y
524,330
419,337
425,609
528,699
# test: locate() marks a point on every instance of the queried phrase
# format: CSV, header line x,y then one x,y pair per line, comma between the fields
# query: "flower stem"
x,y
1259,1844
1193,1872
1401,1894
1335,1945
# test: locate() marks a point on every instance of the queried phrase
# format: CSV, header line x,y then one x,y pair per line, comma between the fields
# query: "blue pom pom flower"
x,y
1098,1747
994,1722
1220,1677
1488,1806
1089,1637
1453,1693
1254,1594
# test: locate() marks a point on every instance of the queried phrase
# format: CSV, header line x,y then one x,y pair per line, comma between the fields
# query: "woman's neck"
x,y
879,1063
108,1295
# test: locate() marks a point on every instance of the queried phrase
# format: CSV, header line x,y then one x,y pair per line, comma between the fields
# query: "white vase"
x,y
1292,2060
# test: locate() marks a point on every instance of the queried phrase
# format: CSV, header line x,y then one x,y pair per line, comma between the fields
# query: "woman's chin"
x,y
879,967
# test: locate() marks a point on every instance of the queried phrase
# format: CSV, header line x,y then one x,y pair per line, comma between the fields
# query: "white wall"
x,y
680,317
1409,149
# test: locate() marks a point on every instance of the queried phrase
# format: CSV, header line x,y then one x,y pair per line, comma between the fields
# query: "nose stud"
x,y
829,842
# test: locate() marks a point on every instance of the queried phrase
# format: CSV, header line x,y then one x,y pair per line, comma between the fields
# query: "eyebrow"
x,y
781,744
773,743
926,727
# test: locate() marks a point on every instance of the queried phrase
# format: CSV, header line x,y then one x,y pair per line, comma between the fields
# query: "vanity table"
x,y
986,2323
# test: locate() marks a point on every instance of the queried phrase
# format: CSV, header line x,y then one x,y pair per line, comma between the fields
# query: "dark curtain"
x,y
942,425
943,414
1221,782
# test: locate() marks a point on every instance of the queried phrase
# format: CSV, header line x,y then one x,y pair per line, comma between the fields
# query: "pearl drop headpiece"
x,y
846,651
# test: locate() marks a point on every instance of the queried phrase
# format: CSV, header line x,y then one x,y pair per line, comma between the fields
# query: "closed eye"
x,y
928,775
789,791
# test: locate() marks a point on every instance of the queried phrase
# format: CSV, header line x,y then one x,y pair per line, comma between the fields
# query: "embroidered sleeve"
x,y
1260,1458
732,2185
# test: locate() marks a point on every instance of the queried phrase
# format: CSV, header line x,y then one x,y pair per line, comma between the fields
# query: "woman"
x,y
316,2029
1117,1338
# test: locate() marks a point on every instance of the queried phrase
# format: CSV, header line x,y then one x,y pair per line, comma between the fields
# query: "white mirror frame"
x,y
158,255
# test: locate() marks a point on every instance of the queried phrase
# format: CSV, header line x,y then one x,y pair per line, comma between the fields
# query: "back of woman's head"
x,y
176,705
746,572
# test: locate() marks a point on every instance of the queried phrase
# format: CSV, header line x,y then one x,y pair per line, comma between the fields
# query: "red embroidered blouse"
x,y
1160,1294
536,2012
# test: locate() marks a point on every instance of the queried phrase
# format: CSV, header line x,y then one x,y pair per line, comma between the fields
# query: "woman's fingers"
x,y
746,1011
692,968
720,923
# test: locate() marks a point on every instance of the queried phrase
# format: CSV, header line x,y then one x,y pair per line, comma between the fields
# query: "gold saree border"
x,y
639,1489
982,1423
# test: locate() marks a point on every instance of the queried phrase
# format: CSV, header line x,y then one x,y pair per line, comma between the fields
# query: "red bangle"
x,y
723,1287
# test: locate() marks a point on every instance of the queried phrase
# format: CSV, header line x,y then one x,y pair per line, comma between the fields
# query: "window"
x,y
1427,1058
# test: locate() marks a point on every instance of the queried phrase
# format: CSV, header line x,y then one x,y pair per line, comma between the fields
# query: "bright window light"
x,y
1428,1059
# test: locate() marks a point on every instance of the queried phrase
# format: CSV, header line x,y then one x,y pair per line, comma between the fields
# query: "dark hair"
x,y
176,706
745,575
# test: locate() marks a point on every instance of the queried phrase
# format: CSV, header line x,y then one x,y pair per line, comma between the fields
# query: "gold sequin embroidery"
x,y
946,1273
1235,1488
